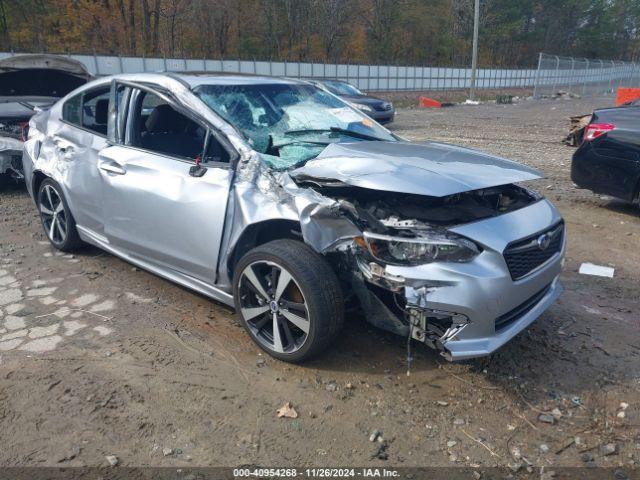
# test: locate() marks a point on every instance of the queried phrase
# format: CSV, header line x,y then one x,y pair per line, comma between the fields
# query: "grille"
x,y
526,255
513,315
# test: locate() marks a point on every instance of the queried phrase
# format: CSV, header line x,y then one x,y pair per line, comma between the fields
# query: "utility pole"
x,y
474,59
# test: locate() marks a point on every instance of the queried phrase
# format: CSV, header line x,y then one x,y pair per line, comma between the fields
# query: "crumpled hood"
x,y
430,168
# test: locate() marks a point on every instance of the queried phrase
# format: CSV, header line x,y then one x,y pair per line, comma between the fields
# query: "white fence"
x,y
366,77
553,73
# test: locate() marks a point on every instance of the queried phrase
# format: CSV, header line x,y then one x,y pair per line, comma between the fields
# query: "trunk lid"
x,y
39,79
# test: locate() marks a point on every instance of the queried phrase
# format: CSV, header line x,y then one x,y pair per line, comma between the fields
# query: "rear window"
x,y
89,109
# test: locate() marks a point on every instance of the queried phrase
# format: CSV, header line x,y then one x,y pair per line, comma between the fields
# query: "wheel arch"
x,y
37,178
259,234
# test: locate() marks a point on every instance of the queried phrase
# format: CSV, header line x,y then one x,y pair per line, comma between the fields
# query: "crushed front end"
x,y
463,273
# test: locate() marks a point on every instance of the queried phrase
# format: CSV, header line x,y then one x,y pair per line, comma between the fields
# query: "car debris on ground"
x,y
576,129
596,270
287,411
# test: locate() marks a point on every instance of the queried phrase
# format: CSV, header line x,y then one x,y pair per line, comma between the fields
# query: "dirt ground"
x,y
100,358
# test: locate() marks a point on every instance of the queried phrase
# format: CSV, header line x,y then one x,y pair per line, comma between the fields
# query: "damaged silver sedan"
x,y
278,198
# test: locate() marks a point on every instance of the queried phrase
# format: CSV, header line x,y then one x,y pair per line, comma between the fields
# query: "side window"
x,y
72,110
215,153
158,127
89,110
95,110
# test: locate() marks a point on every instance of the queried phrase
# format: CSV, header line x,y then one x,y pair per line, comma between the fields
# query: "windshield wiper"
x,y
343,131
295,142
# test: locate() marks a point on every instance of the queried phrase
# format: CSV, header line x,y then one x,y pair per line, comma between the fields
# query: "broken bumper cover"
x,y
466,345
471,309
464,348
487,307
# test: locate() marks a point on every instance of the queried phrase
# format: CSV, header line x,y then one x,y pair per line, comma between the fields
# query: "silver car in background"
x,y
29,83
276,197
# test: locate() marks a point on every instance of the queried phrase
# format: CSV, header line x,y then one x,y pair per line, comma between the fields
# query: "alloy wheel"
x,y
54,217
273,307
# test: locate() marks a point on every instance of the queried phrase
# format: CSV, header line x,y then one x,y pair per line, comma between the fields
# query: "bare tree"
x,y
332,18
174,12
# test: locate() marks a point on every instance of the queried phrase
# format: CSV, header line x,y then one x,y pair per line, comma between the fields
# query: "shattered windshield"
x,y
289,124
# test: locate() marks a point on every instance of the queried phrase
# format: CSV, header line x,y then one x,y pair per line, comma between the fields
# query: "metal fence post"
x,y
571,79
537,77
555,77
95,60
584,76
618,77
610,75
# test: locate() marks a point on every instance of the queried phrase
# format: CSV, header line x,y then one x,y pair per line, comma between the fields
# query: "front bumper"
x,y
487,306
383,117
481,337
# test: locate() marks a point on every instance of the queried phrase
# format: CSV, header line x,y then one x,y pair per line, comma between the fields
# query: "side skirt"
x,y
168,274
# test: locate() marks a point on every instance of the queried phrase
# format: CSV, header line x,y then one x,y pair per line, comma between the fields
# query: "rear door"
x,y
159,207
77,139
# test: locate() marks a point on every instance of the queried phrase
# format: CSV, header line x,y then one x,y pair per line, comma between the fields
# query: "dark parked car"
x,y
29,83
608,160
380,110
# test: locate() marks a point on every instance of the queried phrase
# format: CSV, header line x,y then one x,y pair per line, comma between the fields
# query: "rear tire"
x,y
57,220
289,299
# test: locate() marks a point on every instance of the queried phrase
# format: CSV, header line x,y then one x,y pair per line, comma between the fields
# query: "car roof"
x,y
195,79
333,80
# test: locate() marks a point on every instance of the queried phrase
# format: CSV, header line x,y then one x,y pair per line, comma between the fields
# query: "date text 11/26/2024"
x,y
315,472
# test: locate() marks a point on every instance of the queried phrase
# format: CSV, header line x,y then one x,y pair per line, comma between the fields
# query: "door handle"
x,y
112,167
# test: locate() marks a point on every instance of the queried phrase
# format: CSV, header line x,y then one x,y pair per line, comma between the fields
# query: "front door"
x,y
155,208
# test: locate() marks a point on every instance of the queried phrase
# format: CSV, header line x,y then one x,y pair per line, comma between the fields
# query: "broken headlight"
x,y
436,247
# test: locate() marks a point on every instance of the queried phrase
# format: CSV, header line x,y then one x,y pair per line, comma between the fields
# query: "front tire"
x,y
289,299
57,221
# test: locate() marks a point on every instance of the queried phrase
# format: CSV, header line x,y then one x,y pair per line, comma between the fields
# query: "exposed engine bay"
x,y
404,213
14,127
13,132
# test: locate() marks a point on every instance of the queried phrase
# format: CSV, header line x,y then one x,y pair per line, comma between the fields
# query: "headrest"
x,y
164,119
102,111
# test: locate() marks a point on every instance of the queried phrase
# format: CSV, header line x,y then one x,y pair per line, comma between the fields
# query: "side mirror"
x,y
197,170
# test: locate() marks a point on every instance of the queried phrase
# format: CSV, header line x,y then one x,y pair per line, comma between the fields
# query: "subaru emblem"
x,y
543,241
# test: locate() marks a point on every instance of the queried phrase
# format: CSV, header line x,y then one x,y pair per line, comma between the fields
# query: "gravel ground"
x,y
99,358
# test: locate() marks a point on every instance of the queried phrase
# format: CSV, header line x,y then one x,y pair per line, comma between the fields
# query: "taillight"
x,y
594,130
24,131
